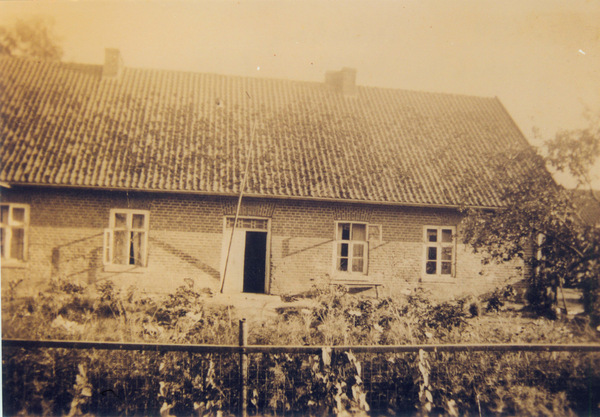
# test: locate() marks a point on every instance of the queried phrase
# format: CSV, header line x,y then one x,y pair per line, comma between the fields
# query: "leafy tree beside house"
x,y
31,37
540,222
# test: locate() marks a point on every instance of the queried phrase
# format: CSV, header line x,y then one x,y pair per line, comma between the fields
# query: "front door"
x,y
255,262
247,265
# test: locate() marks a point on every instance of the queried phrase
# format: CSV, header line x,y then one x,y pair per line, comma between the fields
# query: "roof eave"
x,y
253,195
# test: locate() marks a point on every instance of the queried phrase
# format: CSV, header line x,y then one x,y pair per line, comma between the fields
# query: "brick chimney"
x,y
113,63
343,81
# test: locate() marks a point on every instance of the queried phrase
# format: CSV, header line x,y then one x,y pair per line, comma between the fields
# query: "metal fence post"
x,y
243,368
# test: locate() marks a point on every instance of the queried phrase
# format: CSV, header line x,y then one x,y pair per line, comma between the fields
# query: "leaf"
x,y
428,396
165,410
452,408
326,355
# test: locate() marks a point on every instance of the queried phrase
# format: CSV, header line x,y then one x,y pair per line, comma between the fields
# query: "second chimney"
x,y
113,63
349,81
343,81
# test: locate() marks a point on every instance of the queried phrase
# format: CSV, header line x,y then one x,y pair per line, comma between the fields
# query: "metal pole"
x,y
237,211
243,369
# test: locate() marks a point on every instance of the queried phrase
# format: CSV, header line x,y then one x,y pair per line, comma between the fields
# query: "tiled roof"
x,y
64,125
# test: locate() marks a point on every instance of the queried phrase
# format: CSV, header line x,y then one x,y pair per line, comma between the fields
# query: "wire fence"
x,y
59,377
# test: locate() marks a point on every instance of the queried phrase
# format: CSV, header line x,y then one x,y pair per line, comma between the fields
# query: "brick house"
x,y
134,175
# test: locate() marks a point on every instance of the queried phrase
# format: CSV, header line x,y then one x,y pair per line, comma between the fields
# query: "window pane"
x,y
343,231
358,250
343,265
138,221
432,253
17,243
342,249
432,235
261,224
446,268
120,247
357,265
4,214
2,242
446,254
430,268
121,220
18,214
359,232
446,236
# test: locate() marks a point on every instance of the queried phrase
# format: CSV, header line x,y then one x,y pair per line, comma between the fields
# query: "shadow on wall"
x,y
70,254
285,247
185,257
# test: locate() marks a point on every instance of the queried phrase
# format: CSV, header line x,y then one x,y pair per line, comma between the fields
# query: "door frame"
x,y
227,236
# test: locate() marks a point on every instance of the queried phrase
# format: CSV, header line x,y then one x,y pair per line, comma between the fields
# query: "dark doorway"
x,y
254,262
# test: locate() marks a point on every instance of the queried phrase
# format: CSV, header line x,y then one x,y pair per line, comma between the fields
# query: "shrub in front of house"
x,y
60,381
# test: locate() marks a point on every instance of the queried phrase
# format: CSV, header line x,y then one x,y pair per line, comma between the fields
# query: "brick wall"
x,y
186,240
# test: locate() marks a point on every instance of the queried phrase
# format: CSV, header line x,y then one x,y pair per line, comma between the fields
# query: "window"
x,y
439,251
126,239
351,247
14,224
244,223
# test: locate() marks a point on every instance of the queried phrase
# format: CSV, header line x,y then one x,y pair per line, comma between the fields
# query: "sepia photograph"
x,y
300,208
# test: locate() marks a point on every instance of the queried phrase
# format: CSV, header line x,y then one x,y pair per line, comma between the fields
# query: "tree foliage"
x,y
31,37
541,221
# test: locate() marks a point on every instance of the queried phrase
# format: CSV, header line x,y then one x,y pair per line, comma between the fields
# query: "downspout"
x,y
239,204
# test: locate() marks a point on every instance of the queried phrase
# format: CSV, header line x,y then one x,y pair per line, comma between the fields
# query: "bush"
x,y
497,299
54,381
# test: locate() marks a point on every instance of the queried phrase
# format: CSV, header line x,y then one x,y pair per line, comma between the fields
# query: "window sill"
x,y
14,263
125,268
438,278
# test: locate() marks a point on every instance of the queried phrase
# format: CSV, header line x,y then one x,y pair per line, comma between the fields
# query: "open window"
x,y
351,247
439,250
126,239
14,227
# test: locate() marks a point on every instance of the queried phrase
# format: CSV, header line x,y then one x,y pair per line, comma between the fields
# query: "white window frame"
x,y
439,245
7,232
108,250
365,243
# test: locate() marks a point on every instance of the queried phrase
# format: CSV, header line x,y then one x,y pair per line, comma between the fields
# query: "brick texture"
x,y
186,239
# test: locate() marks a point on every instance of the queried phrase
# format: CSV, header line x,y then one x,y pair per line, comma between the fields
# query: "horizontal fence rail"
x,y
60,377
161,347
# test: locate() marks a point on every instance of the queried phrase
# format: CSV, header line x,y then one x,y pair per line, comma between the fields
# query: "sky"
x,y
541,58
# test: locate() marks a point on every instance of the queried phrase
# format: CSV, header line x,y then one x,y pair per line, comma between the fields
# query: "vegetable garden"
x,y
180,355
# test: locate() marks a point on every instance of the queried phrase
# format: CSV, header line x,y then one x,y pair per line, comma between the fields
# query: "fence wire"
x,y
284,381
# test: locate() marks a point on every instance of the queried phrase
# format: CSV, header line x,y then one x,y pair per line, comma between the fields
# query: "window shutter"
x,y
374,233
145,250
366,265
107,254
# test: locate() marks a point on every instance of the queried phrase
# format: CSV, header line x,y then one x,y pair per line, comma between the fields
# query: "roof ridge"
x,y
246,77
